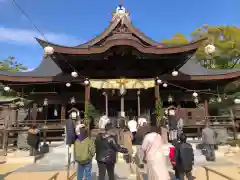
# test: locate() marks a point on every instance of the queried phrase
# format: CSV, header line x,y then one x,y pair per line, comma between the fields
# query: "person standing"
x,y
179,127
184,158
84,150
33,140
172,122
103,121
127,143
142,120
106,152
209,142
141,132
154,157
132,125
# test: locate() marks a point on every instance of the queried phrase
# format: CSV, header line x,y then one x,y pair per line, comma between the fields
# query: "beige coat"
x,y
127,141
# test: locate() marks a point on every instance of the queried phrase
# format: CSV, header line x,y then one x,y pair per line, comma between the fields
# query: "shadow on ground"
x,y
144,175
3,176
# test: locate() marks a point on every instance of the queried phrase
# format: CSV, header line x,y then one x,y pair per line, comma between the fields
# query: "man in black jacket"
x,y
184,158
106,152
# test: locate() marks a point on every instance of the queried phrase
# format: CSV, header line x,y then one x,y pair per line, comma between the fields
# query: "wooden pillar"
x,y
63,112
86,103
106,103
45,123
157,103
5,135
206,113
34,113
138,103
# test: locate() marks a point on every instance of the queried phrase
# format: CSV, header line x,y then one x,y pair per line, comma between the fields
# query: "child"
x,y
171,157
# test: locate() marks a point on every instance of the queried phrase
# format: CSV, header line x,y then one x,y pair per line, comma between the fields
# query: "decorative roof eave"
x,y
196,71
33,80
29,79
216,77
123,42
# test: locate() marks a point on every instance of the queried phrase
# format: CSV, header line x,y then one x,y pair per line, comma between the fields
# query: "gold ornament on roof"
x,y
122,81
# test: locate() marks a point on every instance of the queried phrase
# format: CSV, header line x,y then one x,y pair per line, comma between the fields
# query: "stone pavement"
x,y
56,161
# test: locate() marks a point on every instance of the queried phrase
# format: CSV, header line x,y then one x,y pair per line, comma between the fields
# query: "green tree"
x,y
10,64
226,39
177,39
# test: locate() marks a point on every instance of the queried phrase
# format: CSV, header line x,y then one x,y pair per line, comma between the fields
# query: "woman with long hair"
x,y
154,156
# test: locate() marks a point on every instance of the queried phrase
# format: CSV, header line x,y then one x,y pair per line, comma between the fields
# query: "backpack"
x,y
84,150
186,156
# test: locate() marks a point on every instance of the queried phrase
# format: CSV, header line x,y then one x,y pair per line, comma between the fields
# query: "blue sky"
x,y
71,22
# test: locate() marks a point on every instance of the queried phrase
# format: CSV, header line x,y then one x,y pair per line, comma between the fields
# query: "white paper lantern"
x,y
73,101
48,50
159,81
170,99
40,109
196,100
73,115
219,99
209,49
195,94
74,74
237,101
21,103
174,73
6,88
86,82
165,85
45,102
68,84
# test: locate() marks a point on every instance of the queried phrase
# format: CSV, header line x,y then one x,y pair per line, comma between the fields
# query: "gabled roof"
x,y
121,32
46,71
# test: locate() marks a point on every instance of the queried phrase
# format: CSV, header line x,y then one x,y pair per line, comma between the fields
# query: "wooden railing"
x,y
72,176
54,177
216,172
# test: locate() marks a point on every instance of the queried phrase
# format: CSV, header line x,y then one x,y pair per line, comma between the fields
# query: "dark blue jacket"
x,y
70,132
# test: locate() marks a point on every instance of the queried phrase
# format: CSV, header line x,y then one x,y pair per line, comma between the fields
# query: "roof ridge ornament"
x,y
121,12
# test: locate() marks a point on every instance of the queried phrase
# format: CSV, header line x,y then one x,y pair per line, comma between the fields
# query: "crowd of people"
x,y
148,140
149,154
